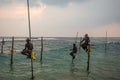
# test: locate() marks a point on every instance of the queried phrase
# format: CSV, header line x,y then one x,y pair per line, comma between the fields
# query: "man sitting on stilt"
x,y
85,43
28,48
74,51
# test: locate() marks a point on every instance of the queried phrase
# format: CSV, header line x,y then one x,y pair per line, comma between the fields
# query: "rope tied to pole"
x,y
12,51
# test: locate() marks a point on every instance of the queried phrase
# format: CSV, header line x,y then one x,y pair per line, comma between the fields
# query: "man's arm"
x,y
82,40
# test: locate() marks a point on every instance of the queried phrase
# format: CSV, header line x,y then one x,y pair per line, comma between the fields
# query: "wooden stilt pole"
x,y
2,45
88,52
32,76
106,43
80,43
41,49
88,63
12,51
75,44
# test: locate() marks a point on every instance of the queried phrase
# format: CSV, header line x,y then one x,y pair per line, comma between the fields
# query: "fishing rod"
x,y
76,37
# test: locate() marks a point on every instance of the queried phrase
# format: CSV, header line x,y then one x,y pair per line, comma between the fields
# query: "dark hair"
x,y
74,44
27,40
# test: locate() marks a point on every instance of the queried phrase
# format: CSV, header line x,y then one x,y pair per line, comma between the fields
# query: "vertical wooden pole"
x,y
88,52
75,44
72,61
41,49
2,45
106,43
12,50
80,43
30,36
88,63
29,25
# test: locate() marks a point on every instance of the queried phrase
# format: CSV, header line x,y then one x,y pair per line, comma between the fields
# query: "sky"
x,y
60,18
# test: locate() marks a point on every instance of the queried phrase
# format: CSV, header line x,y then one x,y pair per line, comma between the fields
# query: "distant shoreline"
x,y
49,37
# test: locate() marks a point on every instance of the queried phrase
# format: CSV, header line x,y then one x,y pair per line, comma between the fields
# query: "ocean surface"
x,y
57,63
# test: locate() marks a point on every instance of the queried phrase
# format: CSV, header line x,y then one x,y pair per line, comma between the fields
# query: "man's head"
x,y
28,40
74,44
86,35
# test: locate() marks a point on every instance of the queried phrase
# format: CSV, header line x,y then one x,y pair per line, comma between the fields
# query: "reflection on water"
x,y
11,67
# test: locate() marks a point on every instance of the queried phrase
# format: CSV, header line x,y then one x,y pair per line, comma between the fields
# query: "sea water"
x,y
57,63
